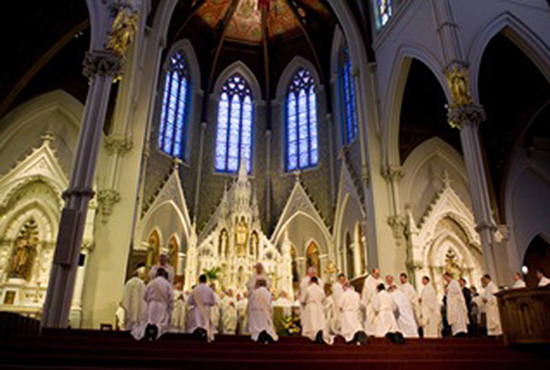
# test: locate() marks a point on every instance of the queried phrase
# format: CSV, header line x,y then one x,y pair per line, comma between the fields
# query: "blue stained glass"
x,y
385,11
301,122
171,138
235,120
347,99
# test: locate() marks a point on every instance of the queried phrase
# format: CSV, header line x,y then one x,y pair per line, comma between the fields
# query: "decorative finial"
x,y
298,175
177,163
47,138
446,179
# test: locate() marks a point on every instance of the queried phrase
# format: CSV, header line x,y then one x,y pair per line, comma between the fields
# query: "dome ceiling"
x,y
245,23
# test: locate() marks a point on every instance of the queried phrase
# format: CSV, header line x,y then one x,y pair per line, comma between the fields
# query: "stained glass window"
x,y
302,149
172,129
235,116
348,106
385,11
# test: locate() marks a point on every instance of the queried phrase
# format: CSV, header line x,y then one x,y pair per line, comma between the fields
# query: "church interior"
x,y
403,135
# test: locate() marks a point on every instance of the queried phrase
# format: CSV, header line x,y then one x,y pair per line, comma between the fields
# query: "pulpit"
x,y
525,315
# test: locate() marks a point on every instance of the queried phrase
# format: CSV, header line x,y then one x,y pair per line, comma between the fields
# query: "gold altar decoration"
x,y
24,251
241,237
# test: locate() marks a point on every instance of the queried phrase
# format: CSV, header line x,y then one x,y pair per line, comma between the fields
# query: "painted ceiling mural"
x,y
245,24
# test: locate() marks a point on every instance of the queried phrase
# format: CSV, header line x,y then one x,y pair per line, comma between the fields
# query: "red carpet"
x,y
83,349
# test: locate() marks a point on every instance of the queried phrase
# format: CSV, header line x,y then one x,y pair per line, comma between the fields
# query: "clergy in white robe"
x,y
312,302
133,301
404,313
261,314
429,310
494,326
543,280
384,308
202,299
457,312
369,289
407,289
259,274
518,281
332,311
311,272
350,313
242,312
163,263
229,314
159,296
179,314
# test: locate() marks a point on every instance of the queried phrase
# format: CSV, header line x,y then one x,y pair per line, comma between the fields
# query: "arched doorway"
x,y
154,248
173,252
350,261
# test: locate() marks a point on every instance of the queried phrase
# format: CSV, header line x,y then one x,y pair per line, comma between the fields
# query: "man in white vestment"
x,y
457,312
369,289
518,281
312,301
163,263
229,314
338,287
494,328
259,274
332,311
202,299
311,272
384,307
133,301
404,313
543,280
260,321
350,316
159,296
429,310
242,311
408,289
179,315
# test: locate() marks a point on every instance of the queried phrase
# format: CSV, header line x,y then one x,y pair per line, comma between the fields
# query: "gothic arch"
x,y
286,77
191,59
242,69
396,92
520,34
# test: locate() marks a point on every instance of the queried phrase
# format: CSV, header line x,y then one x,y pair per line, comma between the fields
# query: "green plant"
x,y
213,273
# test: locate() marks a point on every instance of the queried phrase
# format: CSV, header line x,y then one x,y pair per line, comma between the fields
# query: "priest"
x,y
311,272
429,310
312,302
494,327
259,274
202,299
179,315
165,265
133,302
384,308
229,314
407,288
159,296
260,321
369,289
404,313
518,281
457,313
350,316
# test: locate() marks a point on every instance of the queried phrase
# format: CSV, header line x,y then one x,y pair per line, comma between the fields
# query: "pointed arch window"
x,y
348,106
235,117
172,129
301,122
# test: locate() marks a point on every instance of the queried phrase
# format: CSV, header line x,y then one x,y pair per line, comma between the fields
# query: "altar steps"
x,y
90,350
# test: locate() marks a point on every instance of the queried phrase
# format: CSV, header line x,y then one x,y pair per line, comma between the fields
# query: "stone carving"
x,y
398,224
241,237
462,110
107,199
118,144
102,63
123,30
393,173
24,251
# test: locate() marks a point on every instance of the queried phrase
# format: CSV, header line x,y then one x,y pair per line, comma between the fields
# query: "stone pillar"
x,y
101,66
467,117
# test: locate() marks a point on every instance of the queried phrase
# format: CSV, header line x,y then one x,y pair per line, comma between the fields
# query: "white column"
x,y
101,67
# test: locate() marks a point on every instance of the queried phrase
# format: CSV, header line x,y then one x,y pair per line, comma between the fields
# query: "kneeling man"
x,y
260,322
350,313
202,299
